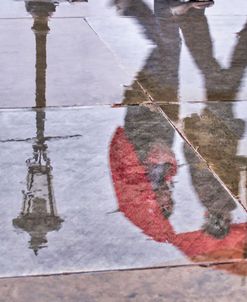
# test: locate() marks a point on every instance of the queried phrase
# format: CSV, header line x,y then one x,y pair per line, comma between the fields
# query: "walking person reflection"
x,y
160,78
135,179
143,167
160,74
217,131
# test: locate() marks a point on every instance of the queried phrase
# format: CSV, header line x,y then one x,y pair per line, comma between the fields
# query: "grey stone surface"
x,y
134,46
91,189
174,63
65,66
172,284
87,153
218,131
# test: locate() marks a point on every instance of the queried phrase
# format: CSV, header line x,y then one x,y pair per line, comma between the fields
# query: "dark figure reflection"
x,y
150,161
39,214
160,77
143,168
144,186
217,131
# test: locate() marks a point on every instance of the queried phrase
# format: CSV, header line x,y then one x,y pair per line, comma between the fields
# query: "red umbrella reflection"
x,y
138,201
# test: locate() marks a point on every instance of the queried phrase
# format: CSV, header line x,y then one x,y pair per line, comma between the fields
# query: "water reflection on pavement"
x,y
124,179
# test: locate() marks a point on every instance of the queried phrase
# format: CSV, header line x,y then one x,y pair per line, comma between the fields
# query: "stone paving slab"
x,y
65,64
105,189
174,63
158,51
220,283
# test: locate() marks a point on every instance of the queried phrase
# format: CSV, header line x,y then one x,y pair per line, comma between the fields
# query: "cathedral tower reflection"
x,y
39,215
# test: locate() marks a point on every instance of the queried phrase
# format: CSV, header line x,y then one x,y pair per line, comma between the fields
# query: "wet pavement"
x,y
123,150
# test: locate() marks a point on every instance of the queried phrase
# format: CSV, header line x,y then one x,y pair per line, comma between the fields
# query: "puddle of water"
x,y
134,196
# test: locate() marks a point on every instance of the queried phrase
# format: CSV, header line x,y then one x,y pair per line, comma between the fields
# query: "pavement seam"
x,y
202,158
175,266
118,61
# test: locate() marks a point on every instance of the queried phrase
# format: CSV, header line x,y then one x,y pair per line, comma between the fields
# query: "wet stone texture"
x,y
139,184
217,130
39,72
73,203
195,284
178,64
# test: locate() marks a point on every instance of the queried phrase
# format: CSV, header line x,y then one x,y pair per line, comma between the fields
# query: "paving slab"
x,y
156,49
59,63
171,61
101,188
219,283
218,131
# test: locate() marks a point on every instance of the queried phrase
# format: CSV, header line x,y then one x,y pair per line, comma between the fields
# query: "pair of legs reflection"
x,y
160,73
217,131
137,191
160,77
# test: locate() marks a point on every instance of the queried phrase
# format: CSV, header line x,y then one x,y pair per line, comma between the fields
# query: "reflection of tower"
x,y
39,215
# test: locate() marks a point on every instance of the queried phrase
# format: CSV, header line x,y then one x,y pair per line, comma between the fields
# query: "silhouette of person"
x,y
137,180
160,74
216,131
160,78
152,141
143,166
